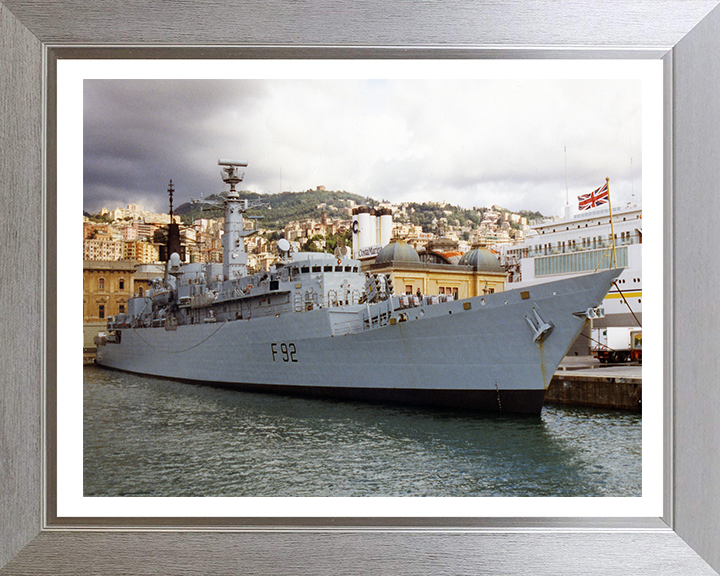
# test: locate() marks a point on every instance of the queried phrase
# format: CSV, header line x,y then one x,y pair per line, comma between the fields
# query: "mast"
x,y
567,209
567,192
173,244
612,227
234,255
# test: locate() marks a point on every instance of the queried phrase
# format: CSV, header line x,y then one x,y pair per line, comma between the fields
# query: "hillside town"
x,y
135,234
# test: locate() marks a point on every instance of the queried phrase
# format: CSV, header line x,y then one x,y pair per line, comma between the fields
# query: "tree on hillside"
x,y
102,219
332,241
314,244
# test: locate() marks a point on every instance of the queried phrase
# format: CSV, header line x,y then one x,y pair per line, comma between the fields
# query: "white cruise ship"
x,y
581,243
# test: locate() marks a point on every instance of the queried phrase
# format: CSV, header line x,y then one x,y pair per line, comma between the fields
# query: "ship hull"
x,y
480,354
519,401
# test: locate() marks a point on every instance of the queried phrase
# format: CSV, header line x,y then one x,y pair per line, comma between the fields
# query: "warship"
x,y
315,325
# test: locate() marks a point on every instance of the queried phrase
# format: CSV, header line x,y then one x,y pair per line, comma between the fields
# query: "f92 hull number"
x,y
284,351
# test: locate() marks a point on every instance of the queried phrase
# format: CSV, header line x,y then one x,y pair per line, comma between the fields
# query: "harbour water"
x,y
154,437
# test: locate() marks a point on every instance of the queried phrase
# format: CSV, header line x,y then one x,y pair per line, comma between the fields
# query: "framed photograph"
x,y
673,528
446,117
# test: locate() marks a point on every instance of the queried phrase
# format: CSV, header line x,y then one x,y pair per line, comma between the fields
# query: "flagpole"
x,y
567,193
612,228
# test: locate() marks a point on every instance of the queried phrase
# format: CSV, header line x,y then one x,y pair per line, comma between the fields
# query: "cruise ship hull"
x,y
491,353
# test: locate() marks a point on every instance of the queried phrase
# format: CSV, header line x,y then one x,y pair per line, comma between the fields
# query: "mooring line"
x,y
597,342
626,303
179,351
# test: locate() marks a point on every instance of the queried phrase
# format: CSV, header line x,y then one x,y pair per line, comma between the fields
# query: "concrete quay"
x,y
583,381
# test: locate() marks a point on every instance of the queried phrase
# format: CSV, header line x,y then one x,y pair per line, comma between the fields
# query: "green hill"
x,y
284,208
290,206
280,209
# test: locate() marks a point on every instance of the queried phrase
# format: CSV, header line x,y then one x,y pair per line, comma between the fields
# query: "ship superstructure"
x,y
581,243
314,324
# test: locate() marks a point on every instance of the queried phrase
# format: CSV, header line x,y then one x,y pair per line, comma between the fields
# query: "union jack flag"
x,y
595,198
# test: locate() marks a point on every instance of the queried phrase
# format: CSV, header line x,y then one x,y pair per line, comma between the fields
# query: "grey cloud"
x,y
465,142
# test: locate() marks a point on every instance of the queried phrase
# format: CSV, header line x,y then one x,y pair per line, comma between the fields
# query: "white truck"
x,y
617,344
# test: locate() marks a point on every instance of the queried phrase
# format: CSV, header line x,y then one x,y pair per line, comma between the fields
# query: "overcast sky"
x,y
466,142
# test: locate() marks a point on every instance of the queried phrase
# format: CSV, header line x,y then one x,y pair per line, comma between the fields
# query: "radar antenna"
x,y
231,174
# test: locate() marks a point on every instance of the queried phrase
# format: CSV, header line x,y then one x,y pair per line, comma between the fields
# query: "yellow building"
x,y
478,272
143,252
106,289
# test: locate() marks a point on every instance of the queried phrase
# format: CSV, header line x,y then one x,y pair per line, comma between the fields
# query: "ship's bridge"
x,y
314,262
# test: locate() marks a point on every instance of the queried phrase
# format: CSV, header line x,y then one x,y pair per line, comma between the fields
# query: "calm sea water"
x,y
153,437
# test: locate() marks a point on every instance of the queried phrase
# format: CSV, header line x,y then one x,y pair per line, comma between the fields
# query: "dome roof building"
x,y
482,260
434,273
397,252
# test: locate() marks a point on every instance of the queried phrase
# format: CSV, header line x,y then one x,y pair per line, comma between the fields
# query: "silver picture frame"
x,y
684,34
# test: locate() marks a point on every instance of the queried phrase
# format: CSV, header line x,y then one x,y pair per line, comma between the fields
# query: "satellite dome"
x,y
397,251
481,259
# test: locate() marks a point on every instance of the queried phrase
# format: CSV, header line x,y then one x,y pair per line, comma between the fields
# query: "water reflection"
x,y
146,436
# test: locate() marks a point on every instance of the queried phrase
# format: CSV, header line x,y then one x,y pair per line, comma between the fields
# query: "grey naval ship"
x,y
315,325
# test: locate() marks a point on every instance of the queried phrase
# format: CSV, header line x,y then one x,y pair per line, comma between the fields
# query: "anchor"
x,y
539,327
